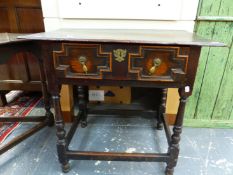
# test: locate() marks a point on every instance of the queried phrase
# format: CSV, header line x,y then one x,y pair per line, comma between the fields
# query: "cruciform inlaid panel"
x,y
82,61
160,63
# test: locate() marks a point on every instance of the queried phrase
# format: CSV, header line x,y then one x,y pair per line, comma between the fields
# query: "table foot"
x,y
65,167
169,171
83,124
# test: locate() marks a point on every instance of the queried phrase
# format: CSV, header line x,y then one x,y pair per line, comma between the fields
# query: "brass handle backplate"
x,y
82,61
156,63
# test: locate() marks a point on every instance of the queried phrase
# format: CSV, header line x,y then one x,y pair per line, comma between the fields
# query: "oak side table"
x,y
157,59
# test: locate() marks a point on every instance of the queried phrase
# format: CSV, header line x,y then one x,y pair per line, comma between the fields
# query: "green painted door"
x,y
211,104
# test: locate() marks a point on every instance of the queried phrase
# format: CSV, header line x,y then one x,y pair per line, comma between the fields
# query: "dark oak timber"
x,y
162,109
82,105
10,46
21,70
144,36
3,100
61,133
174,149
22,137
149,157
151,59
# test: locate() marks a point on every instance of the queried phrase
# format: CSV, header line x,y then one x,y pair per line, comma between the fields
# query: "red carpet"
x,y
21,106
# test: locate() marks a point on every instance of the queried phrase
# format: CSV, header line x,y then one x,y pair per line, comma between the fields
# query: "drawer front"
x,y
81,61
121,62
159,63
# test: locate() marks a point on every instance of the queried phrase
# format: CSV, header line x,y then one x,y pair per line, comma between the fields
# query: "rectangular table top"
x,y
10,38
145,36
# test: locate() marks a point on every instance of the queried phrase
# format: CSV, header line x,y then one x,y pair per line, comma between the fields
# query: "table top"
x,y
145,36
10,38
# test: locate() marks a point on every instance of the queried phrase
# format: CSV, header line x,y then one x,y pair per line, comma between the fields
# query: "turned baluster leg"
x,y
61,133
82,105
46,96
177,129
162,109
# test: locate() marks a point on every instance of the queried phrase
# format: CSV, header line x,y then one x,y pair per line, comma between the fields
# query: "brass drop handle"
x,y
156,63
82,61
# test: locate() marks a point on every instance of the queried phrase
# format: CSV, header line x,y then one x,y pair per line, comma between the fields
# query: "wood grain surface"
x,y
212,98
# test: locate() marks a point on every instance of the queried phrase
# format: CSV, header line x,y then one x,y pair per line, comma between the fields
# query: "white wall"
x,y
139,14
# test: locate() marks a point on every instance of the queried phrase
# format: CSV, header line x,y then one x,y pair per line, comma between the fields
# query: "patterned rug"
x,y
20,104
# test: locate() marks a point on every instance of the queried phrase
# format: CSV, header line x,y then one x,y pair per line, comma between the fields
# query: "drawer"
x,y
81,61
159,63
121,62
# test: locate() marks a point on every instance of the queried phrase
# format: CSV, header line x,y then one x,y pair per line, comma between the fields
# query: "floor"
x,y
203,151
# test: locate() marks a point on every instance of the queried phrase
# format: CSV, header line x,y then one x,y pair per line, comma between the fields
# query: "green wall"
x,y
211,104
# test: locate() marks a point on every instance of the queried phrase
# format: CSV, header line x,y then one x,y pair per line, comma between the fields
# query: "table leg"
x,y
162,109
173,150
82,105
46,96
3,100
61,133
